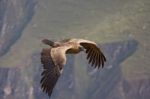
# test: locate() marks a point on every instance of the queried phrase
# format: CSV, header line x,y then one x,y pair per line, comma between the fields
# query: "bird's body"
x,y
54,58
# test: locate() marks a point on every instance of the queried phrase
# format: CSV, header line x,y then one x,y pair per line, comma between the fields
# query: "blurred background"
x,y
120,27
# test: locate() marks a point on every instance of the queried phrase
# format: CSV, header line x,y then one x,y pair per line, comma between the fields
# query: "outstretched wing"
x,y
50,73
53,60
94,54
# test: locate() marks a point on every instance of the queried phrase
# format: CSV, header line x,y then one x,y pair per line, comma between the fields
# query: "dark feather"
x,y
48,42
50,72
94,54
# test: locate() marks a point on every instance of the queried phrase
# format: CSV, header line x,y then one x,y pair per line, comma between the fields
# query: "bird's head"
x,y
81,48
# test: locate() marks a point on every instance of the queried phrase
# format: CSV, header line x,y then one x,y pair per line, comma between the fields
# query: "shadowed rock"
x,y
14,16
116,53
25,82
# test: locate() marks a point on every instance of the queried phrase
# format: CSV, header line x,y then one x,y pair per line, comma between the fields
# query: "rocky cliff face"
x,y
78,81
14,16
107,83
135,89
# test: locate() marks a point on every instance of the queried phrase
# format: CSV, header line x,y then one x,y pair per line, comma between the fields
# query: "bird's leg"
x,y
60,69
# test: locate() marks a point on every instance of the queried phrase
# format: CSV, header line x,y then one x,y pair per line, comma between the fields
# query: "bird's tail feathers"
x,y
48,42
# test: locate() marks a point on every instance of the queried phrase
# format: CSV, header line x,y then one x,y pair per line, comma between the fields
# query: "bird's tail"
x,y
48,42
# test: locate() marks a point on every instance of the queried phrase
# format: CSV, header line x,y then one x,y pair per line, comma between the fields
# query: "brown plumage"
x,y
54,58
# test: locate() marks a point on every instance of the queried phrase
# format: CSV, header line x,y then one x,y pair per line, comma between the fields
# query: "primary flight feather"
x,y
54,58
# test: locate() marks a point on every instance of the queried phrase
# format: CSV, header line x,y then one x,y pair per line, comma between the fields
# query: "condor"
x,y
54,58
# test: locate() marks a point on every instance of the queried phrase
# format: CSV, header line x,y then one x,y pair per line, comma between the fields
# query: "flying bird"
x,y
53,59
